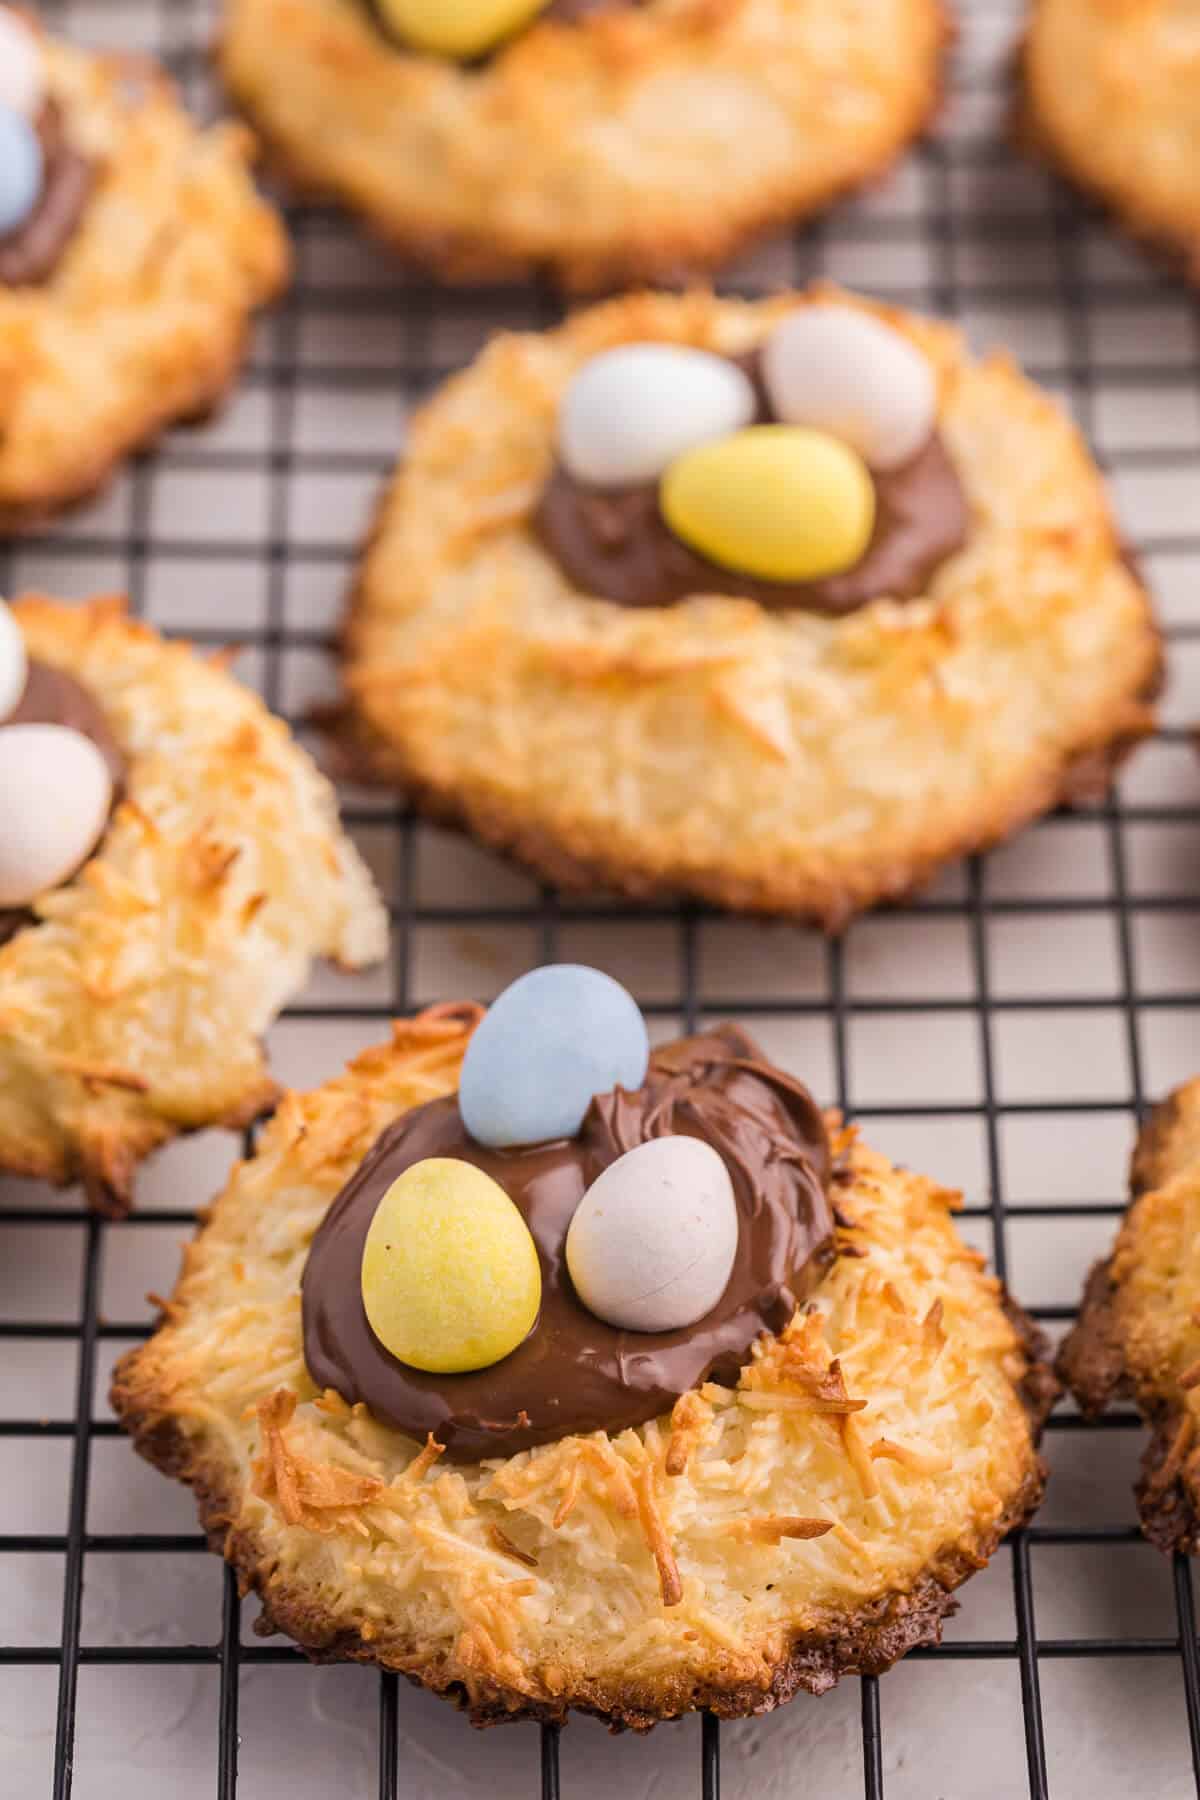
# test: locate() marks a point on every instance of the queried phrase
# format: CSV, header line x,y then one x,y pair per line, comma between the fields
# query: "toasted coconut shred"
x,y
133,1007
1138,1333
588,149
810,1521
146,316
1109,95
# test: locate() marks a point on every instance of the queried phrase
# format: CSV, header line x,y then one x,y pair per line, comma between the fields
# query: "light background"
x,y
999,1033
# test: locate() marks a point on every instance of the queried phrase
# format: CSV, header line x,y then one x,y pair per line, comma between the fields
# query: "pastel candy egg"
x,y
21,168
553,1040
461,28
652,1243
14,664
629,412
773,501
22,76
450,1273
845,372
55,797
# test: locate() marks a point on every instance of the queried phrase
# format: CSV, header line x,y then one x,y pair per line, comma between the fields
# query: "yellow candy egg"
x,y
781,502
460,28
450,1273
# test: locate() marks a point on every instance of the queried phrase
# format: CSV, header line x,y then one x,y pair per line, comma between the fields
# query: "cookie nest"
x,y
1112,94
772,760
133,1008
1138,1334
590,147
810,1522
144,318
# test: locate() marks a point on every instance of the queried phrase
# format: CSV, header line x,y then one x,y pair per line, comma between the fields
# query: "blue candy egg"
x,y
553,1040
21,170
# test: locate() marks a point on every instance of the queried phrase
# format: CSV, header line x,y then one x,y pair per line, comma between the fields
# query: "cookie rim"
x,y
580,860
866,1640
107,1164
141,425
1093,1361
469,259
1176,254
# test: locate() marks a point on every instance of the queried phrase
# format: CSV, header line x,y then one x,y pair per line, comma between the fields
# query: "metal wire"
x,y
281,375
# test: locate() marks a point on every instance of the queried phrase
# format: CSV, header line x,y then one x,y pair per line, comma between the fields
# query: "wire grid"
x,y
245,532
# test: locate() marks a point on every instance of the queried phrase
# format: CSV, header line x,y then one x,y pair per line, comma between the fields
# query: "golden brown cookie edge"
x,y
1093,1362
1029,135
106,1162
580,864
866,1641
467,260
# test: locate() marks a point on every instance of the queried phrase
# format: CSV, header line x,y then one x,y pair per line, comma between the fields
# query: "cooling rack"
x,y
1003,1032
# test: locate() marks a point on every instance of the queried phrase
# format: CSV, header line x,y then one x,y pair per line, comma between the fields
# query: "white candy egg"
x,y
629,412
846,373
55,796
22,75
14,664
652,1243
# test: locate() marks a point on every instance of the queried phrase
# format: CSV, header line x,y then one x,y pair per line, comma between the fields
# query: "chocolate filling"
x,y
617,545
574,1373
30,254
52,698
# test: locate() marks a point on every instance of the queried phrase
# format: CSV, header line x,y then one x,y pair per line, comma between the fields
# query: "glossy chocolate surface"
x,y
574,1373
618,545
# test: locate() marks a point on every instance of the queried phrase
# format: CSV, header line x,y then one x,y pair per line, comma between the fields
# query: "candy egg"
x,y
21,169
22,76
55,797
14,664
553,1040
773,501
845,372
630,412
462,28
652,1242
450,1273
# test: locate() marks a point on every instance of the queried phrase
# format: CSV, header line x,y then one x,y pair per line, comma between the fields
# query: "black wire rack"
x,y
966,231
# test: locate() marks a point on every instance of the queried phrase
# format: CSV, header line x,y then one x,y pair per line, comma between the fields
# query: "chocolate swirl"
x,y
30,254
574,1373
618,545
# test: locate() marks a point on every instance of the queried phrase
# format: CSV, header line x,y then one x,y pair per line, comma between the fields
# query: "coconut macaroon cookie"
x,y
1111,95
780,603
170,864
704,1402
605,140
1138,1334
133,250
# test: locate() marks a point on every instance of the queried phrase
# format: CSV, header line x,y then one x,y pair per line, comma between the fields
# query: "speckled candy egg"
x,y
630,411
14,663
652,1243
21,170
22,75
55,796
774,501
450,1273
842,371
553,1040
459,28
